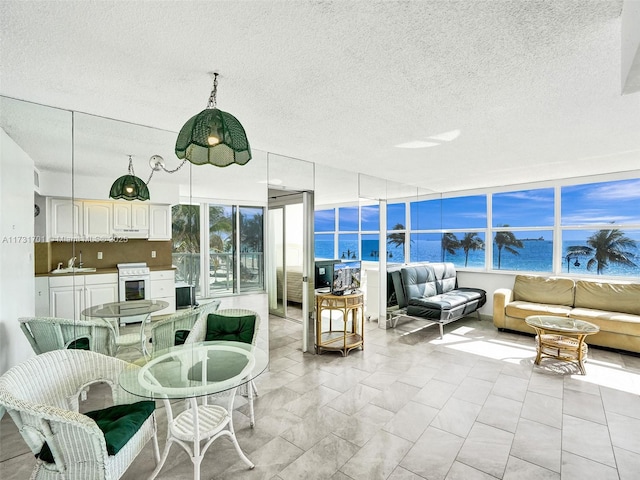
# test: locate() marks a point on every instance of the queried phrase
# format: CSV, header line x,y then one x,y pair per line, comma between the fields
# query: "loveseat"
x,y
613,306
429,291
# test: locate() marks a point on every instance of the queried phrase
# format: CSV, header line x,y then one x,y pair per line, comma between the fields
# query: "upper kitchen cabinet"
x,y
160,222
131,219
97,221
64,220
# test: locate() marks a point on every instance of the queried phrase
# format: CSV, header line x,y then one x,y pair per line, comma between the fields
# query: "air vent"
x,y
36,179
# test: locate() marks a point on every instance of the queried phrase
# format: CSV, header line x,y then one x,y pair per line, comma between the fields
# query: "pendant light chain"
x,y
165,169
214,93
131,172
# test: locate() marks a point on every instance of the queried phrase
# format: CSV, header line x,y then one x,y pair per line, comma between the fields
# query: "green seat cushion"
x,y
230,328
180,337
118,424
80,344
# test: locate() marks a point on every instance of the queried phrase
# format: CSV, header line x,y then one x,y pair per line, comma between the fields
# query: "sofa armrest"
x,y
501,298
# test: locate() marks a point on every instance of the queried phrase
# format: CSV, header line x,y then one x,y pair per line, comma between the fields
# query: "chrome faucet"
x,y
71,262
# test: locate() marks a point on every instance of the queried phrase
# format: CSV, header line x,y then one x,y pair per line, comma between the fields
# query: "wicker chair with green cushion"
x,y
42,397
49,333
230,324
174,329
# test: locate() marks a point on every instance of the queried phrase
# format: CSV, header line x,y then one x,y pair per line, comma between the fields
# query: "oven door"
x,y
133,288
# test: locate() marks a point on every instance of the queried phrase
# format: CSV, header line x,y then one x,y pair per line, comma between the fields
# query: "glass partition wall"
x,y
218,227
70,160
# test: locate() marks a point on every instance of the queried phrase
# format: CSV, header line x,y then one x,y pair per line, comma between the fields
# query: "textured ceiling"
x,y
505,92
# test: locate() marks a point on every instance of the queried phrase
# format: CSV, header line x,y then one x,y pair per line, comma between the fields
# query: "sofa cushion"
x,y
419,281
524,309
445,274
551,290
447,305
621,323
616,297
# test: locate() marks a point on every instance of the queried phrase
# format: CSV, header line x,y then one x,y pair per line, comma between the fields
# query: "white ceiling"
x,y
506,92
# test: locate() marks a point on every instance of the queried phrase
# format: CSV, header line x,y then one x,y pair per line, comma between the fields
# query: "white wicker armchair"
x,y
165,333
49,333
199,333
41,395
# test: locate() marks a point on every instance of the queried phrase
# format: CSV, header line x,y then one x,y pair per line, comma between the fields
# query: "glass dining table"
x,y
197,372
112,312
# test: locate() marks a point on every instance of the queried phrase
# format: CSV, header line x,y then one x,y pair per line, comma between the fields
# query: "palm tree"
x,y
610,246
450,244
471,241
220,227
185,230
508,241
397,239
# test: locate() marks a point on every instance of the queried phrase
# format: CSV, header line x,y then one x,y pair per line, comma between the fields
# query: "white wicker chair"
x,y
48,333
41,395
163,332
199,332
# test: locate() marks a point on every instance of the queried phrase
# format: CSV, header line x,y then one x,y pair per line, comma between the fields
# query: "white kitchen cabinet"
x,y
70,295
64,220
97,220
163,287
130,216
159,222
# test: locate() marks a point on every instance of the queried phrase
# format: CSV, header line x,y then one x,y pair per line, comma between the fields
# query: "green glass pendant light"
x,y
213,136
129,187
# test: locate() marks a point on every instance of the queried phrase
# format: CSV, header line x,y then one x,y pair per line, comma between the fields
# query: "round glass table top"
x,y
195,369
561,324
125,309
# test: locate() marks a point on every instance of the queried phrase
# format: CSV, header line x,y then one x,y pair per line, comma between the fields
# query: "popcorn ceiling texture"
x,y
532,86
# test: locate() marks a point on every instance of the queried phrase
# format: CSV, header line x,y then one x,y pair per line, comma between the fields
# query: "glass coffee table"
x,y
561,338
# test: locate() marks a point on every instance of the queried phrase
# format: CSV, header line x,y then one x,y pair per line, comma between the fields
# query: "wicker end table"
x,y
561,338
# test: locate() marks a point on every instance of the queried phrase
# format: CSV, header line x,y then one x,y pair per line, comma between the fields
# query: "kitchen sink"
x,y
73,270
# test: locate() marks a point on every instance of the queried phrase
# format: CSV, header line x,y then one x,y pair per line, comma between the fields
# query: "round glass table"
x,y
112,312
195,371
561,338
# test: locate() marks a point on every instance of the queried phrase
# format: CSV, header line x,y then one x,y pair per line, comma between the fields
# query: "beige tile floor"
x,y
411,406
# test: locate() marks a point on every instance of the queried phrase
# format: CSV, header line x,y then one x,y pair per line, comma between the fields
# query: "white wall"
x,y
489,282
17,290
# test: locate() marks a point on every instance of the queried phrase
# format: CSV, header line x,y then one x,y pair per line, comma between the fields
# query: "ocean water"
x,y
536,256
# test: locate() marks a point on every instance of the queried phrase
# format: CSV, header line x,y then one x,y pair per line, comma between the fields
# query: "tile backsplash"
x,y
48,255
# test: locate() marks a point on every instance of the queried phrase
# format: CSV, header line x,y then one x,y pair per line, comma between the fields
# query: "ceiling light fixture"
x,y
129,187
213,136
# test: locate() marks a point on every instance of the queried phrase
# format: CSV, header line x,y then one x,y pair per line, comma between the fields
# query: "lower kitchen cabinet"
x,y
67,296
70,295
163,287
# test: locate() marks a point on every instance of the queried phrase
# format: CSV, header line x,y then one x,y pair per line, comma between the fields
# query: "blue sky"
x,y
606,203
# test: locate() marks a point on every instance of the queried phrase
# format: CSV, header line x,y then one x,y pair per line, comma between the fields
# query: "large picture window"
x,y
523,230
233,237
598,225
601,228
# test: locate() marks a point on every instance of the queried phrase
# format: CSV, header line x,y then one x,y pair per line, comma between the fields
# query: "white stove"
x,y
133,269
134,281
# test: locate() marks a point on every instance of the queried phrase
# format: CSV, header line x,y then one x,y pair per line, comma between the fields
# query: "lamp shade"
x,y
215,137
129,187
